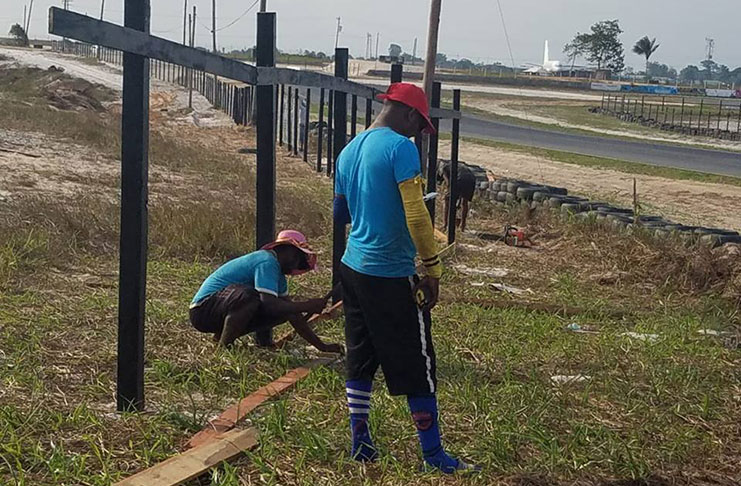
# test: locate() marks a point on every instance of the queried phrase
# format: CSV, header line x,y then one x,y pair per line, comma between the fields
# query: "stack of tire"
x,y
517,191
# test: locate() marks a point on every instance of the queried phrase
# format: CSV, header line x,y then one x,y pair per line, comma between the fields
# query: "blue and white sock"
x,y
424,413
358,401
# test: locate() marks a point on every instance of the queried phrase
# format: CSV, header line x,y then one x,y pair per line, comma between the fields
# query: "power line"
x,y
240,17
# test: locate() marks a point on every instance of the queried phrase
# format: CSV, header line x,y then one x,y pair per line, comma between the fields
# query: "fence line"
x,y
687,118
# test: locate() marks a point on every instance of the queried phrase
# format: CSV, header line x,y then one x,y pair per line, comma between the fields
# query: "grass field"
x,y
659,411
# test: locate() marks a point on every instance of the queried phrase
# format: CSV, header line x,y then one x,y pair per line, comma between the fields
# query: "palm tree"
x,y
646,47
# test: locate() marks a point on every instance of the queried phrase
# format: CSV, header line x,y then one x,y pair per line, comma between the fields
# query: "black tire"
x,y
541,196
723,239
571,208
526,193
494,186
502,196
509,198
561,191
512,187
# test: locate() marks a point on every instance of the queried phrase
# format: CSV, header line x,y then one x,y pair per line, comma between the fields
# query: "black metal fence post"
x,y
369,113
134,222
432,152
340,138
452,209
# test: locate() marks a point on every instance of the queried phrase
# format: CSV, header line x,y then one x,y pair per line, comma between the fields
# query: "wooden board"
x,y
196,461
237,412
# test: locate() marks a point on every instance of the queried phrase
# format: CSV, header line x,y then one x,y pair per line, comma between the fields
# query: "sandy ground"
x,y
687,202
505,108
111,76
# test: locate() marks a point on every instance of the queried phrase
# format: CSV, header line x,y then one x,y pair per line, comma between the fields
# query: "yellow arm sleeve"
x,y
420,225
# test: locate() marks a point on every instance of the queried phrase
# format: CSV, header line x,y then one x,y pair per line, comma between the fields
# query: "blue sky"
x,y
469,28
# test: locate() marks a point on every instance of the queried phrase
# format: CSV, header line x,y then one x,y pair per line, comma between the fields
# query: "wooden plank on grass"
x,y
237,412
193,463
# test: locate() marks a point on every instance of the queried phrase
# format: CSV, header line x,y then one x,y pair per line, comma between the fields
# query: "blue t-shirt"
x,y
259,270
369,171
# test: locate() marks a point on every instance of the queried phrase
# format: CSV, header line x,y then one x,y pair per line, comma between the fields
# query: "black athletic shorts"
x,y
209,314
384,326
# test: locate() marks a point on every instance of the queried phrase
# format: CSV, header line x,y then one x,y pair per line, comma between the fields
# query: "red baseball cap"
x,y
412,96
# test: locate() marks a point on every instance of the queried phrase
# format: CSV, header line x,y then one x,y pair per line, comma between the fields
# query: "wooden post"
x,y
354,117
396,73
265,180
134,217
282,113
720,113
320,132
699,117
369,113
330,131
342,55
433,150
681,114
306,127
452,207
636,217
289,119
643,103
295,120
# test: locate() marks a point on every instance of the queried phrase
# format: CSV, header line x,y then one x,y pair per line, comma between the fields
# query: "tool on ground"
x,y
516,237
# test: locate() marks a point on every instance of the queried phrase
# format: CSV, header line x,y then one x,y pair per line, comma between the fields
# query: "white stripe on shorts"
x,y
423,340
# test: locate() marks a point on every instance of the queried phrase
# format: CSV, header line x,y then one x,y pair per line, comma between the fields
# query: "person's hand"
x,y
431,288
331,348
316,306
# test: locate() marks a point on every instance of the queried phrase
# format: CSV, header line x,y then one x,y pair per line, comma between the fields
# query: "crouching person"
x,y
250,294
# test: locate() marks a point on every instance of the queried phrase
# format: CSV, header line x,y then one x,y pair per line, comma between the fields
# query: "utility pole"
x,y
25,16
431,56
102,8
185,20
337,36
192,44
430,61
28,20
263,5
414,52
213,23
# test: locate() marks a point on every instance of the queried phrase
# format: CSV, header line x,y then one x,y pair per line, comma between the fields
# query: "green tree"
x,y
646,47
690,74
657,70
19,34
601,46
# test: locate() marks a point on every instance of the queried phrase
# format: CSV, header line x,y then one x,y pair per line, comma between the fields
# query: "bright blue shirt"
x,y
259,270
369,171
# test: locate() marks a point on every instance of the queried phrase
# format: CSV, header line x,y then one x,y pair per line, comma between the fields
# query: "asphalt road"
x,y
677,156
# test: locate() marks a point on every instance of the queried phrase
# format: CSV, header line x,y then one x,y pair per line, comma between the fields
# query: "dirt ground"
x,y
684,201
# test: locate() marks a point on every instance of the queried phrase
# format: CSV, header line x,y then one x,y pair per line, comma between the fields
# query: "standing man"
x,y
379,190
465,188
